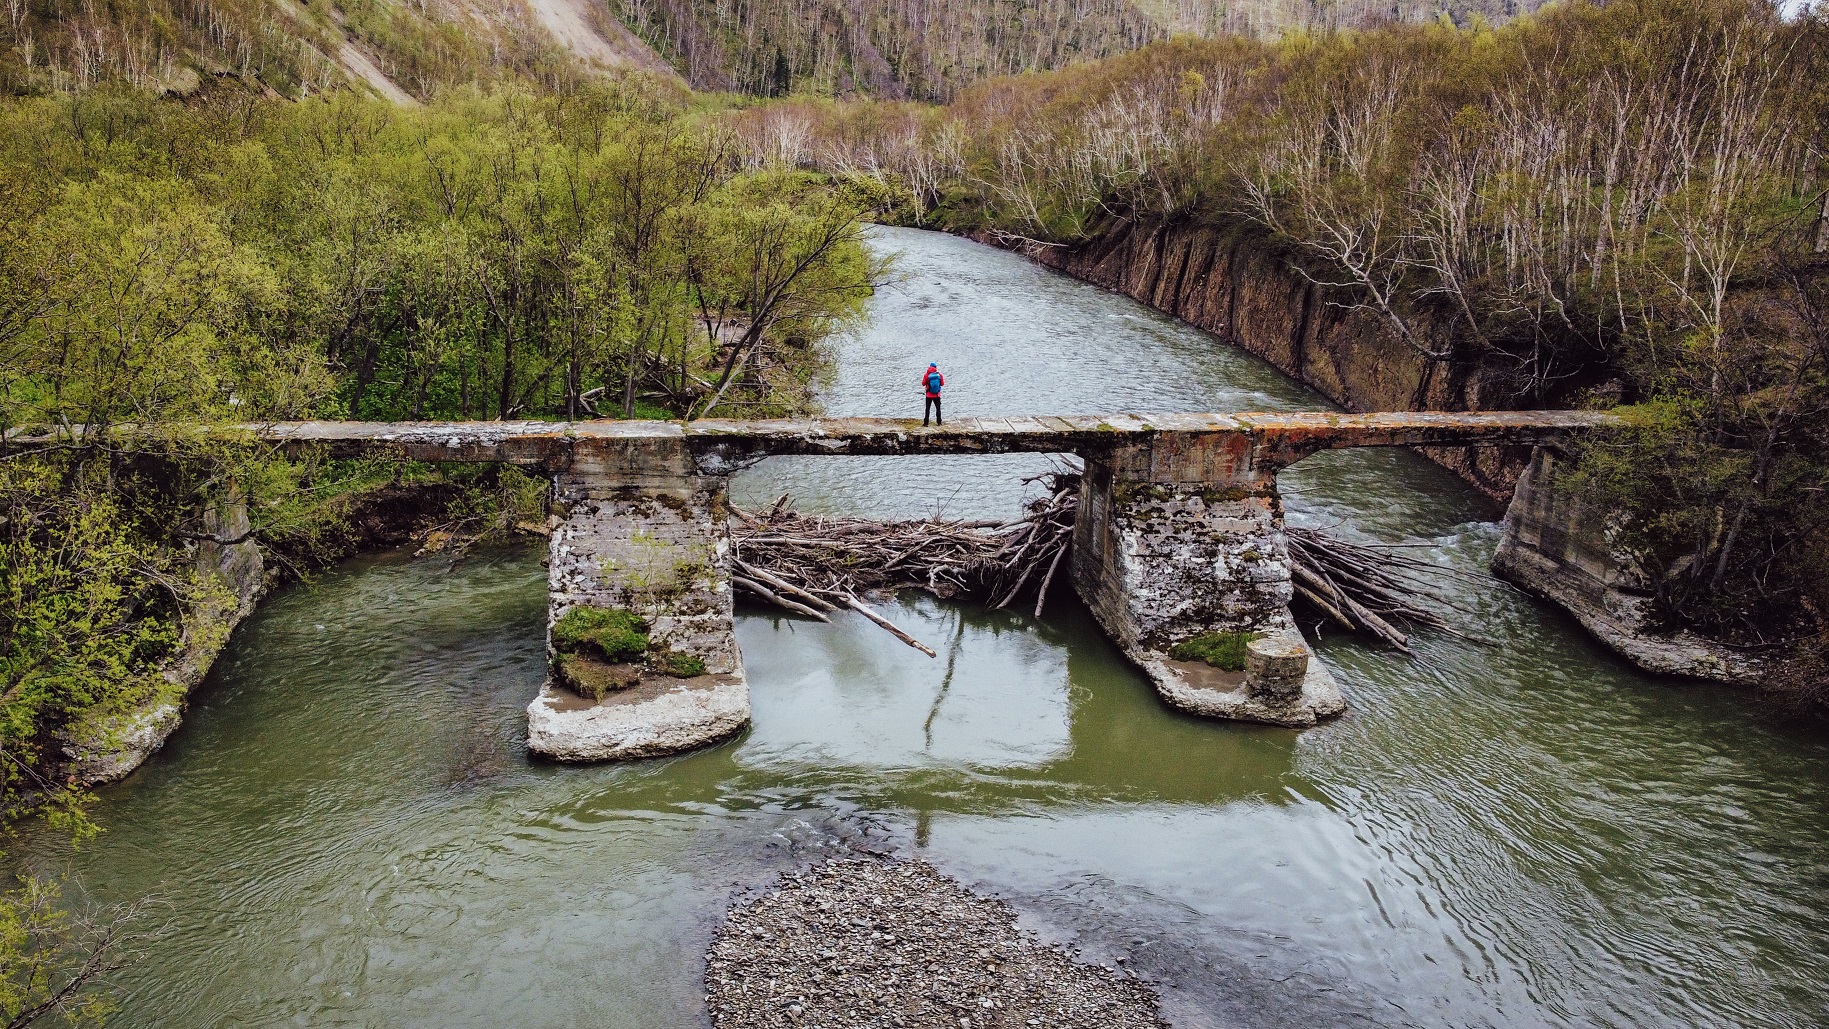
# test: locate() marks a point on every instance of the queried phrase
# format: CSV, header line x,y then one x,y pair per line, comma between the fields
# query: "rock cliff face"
x,y
1559,549
1237,287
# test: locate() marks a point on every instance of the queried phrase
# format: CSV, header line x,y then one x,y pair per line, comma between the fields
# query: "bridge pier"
x,y
1182,535
636,528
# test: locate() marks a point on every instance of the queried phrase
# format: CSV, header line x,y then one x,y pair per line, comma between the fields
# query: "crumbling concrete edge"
x,y
1321,698
686,717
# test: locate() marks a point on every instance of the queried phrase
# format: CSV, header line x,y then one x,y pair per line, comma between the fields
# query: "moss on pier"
x,y
600,650
612,634
1222,650
677,663
593,679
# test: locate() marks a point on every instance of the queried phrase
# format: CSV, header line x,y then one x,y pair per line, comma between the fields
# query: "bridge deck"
x,y
1275,438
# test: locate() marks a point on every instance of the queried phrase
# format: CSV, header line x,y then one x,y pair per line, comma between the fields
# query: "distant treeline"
x,y
936,49
925,49
1631,196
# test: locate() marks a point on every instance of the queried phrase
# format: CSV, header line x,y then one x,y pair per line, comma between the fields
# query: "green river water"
x,y
348,830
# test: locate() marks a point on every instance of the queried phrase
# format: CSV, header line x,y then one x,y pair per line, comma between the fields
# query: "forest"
x,y
935,49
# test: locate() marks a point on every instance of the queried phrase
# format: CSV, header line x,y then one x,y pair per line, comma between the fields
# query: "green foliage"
x,y
51,956
1222,650
609,633
503,254
77,585
493,499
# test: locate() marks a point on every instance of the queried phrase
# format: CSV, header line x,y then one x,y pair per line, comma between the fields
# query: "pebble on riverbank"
x,y
859,944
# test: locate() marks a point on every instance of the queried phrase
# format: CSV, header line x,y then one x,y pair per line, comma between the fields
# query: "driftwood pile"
x,y
814,565
1367,588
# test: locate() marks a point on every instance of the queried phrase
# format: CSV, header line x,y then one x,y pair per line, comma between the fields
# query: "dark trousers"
x,y
933,404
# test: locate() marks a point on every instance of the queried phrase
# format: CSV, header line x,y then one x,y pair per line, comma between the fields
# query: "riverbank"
x,y
240,572
1233,282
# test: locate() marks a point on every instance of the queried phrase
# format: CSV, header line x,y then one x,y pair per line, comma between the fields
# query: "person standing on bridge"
x,y
932,381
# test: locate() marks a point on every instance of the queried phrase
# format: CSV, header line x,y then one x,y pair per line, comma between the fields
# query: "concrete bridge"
x,y
1180,532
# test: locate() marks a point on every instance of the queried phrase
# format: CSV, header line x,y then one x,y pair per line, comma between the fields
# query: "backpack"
x,y
932,380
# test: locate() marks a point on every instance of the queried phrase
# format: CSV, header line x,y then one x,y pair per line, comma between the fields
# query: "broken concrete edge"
x,y
1319,701
667,718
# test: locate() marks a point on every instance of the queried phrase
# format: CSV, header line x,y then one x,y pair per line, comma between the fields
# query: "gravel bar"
x,y
861,944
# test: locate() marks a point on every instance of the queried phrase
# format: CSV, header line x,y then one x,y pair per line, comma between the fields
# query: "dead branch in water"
x,y
1369,587
812,565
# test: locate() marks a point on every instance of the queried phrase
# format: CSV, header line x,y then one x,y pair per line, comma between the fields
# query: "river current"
x,y
347,830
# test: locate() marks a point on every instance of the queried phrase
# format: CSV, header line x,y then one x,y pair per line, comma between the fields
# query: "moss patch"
x,y
594,679
609,633
677,663
1222,650
1225,494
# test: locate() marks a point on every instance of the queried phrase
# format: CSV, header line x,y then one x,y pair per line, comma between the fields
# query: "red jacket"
x,y
935,391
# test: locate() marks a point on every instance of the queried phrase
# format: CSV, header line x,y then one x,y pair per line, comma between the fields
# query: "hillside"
x,y
933,49
406,50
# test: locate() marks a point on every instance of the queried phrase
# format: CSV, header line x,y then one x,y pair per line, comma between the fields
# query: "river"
x,y
347,830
